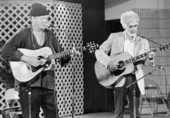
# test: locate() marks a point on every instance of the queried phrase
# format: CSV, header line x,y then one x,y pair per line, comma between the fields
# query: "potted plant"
x,y
6,76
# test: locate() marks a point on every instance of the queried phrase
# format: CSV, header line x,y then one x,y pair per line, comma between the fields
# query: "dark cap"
x,y
38,10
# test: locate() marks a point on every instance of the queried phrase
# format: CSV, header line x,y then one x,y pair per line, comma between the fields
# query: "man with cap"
x,y
42,86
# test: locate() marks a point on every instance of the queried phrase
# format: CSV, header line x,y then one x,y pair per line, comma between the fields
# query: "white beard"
x,y
130,34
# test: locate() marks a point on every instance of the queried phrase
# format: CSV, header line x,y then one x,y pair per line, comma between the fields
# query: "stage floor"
x,y
110,115
107,115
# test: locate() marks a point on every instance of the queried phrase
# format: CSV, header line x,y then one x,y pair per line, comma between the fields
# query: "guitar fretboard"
x,y
60,55
134,59
64,53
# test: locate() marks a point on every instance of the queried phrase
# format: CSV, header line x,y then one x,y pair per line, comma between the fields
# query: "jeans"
x,y
121,94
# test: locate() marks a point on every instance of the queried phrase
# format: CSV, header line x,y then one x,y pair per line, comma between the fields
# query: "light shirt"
x,y
129,46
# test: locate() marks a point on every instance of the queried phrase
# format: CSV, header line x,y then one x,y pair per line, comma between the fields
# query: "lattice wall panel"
x,y
68,18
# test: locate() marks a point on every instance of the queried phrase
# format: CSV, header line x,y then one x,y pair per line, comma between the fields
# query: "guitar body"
x,y
106,78
22,71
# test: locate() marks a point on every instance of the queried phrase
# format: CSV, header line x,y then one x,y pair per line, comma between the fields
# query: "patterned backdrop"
x,y
155,25
68,18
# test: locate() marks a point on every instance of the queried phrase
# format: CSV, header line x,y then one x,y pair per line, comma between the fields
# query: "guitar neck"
x,y
64,53
137,58
132,60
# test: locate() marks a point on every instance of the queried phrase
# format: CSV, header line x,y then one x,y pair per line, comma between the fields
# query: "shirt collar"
x,y
133,40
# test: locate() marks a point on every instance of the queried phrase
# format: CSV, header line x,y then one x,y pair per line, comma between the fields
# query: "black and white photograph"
x,y
84,58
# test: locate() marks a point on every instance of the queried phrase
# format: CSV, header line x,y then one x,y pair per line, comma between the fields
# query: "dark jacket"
x,y
26,39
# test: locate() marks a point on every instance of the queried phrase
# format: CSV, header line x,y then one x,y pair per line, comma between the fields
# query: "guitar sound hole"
x,y
121,64
47,63
121,68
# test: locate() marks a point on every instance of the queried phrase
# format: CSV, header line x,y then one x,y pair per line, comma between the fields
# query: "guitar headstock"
x,y
91,47
164,47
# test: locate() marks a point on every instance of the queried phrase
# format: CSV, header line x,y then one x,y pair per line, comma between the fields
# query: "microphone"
x,y
158,66
150,40
53,26
49,25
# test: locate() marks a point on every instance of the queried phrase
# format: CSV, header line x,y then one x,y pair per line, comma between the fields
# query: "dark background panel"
x,y
95,28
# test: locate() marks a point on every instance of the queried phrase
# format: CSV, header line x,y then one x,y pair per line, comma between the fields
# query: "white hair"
x,y
128,17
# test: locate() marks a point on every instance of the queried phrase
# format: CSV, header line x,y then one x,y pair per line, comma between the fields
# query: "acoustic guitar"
x,y
24,72
125,66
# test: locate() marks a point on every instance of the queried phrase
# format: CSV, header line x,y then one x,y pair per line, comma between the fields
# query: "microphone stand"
x,y
28,88
73,97
150,40
134,89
